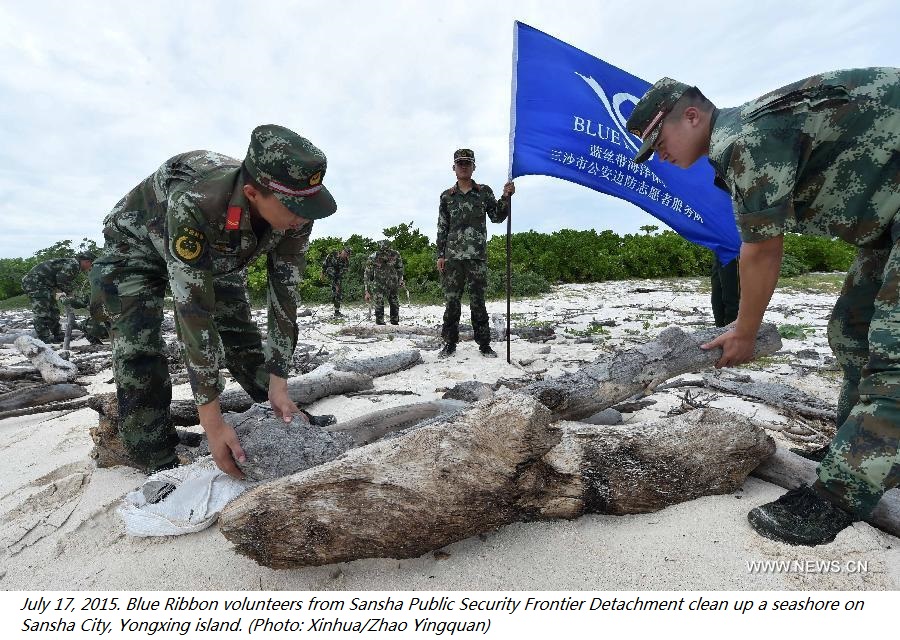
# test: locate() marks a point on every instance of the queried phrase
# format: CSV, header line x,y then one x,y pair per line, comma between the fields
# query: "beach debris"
x,y
52,368
501,460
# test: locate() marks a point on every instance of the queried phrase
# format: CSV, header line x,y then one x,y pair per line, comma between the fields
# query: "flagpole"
x,y
512,138
508,275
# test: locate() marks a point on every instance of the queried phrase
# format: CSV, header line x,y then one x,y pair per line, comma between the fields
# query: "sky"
x,y
94,96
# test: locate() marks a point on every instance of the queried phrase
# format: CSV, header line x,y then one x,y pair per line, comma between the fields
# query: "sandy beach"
x,y
61,531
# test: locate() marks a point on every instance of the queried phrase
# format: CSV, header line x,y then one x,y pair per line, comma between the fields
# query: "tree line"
x,y
539,260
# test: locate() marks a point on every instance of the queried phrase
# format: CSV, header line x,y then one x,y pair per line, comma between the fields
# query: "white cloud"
x,y
95,95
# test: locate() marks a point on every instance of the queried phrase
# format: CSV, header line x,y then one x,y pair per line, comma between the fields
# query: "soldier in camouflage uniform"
x,y
336,265
818,157
48,282
384,276
194,225
462,249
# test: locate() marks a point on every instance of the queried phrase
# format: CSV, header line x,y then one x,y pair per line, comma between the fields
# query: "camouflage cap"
x,y
293,168
86,255
384,245
347,249
646,119
464,154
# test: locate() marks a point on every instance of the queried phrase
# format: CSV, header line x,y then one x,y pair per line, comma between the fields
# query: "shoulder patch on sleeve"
x,y
189,244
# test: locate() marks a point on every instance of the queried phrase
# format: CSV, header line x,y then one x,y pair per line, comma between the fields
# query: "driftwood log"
x,y
786,469
11,336
41,394
19,373
381,365
52,368
324,381
777,395
72,405
499,462
621,375
491,465
375,425
370,330
109,450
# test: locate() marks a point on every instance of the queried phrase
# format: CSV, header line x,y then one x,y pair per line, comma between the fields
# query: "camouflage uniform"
x,y
461,241
822,157
41,285
384,273
336,268
189,226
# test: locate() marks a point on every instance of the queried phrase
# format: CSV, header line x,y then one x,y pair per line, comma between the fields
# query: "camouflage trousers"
x,y
130,293
337,293
864,333
458,273
378,295
46,315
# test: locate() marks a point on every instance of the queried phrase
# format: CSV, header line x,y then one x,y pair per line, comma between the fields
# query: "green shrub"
x,y
819,254
791,267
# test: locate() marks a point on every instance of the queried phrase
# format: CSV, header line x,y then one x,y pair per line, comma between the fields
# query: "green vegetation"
x,y
814,283
538,260
795,331
594,328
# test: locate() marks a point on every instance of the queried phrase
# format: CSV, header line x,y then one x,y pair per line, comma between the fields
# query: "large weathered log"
x,y
42,394
53,369
786,469
398,497
622,469
618,376
498,462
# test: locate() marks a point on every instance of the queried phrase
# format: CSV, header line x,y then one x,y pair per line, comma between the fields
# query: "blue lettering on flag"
x,y
568,121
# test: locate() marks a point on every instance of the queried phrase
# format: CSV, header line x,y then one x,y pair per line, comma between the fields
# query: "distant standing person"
x,y
337,263
384,276
194,225
726,291
462,249
820,157
49,282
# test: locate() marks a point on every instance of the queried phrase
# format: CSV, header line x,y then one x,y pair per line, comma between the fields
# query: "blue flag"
x,y
568,121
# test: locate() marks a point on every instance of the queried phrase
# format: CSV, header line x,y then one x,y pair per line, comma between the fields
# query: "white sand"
x,y
60,530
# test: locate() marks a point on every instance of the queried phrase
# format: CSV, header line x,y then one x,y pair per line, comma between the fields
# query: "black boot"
x,y
802,516
487,352
448,350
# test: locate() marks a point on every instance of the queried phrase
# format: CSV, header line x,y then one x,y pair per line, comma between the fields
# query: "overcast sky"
x,y
94,96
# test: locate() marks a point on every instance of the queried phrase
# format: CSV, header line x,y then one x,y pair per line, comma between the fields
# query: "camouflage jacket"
x,y
384,270
461,227
191,221
335,267
58,274
818,157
